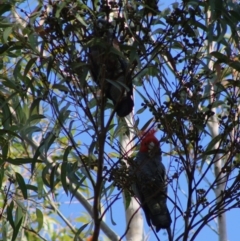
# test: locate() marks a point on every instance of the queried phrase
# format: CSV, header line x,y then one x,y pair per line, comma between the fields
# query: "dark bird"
x,y
110,69
150,182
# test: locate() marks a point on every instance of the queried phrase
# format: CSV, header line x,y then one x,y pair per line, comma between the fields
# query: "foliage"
x,y
60,133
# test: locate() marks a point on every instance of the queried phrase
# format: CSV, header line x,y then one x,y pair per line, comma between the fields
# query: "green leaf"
x,y
105,190
92,147
111,217
78,184
211,147
46,175
6,33
45,144
36,117
20,203
218,103
17,70
16,230
64,177
22,185
31,187
133,54
64,169
64,114
40,219
235,65
40,190
147,124
60,7
10,132
111,131
117,52
7,116
215,152
55,103
60,87
127,199
30,130
18,215
118,84
9,214
221,57
49,67
141,110
5,7
34,109
52,177
222,30
1,176
92,103
213,142
66,153
4,47
29,65
21,161
70,129
49,140
114,154
153,70
81,20
76,237
5,147
5,231
4,25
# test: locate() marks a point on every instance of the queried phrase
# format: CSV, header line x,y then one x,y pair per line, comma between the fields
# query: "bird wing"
x,y
137,191
151,190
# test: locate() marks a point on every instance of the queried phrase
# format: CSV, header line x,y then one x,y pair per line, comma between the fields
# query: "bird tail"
x,y
159,215
125,106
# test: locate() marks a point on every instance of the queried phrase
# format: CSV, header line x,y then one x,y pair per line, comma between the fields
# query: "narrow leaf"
x,y
18,215
60,87
79,231
22,185
147,124
141,110
1,177
29,65
16,230
5,7
39,220
127,199
64,176
9,214
52,177
31,187
34,109
21,161
6,33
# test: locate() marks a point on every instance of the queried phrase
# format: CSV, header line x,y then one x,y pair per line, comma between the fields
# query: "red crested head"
x,y
149,141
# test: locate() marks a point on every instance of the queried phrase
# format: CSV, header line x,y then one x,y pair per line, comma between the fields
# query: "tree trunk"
x,y
133,214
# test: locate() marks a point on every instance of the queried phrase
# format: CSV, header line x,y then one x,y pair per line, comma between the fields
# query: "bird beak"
x,y
151,145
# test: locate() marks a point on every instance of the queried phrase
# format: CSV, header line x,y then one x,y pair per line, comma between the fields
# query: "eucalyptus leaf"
x,y
22,185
